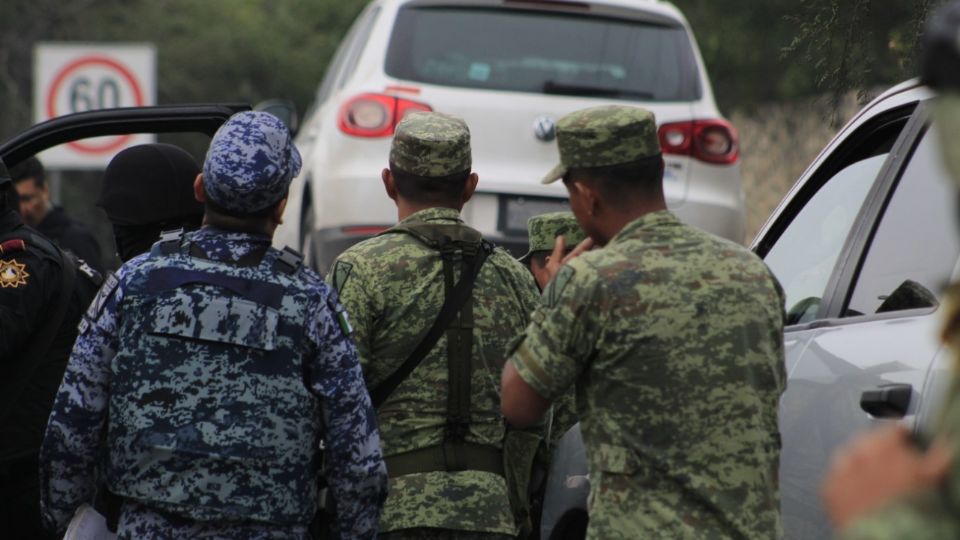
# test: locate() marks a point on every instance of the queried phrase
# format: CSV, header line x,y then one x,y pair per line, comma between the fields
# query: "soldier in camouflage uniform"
x,y
442,432
207,372
673,339
543,231
884,484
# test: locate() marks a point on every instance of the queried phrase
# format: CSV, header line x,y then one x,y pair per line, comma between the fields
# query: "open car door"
x,y
201,118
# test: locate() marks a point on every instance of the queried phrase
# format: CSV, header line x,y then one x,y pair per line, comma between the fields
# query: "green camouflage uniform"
x,y
673,339
393,287
542,232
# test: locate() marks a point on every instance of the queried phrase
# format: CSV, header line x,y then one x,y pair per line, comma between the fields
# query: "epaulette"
x,y
11,246
288,262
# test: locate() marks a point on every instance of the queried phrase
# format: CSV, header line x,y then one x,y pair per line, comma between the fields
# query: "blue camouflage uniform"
x,y
207,420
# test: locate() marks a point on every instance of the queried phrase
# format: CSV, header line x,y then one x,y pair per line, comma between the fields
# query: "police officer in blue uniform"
x,y
208,371
43,293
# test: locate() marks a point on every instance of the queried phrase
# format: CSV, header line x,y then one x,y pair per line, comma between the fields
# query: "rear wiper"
x,y
553,87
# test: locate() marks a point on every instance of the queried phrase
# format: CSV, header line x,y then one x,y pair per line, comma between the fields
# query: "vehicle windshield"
x,y
533,51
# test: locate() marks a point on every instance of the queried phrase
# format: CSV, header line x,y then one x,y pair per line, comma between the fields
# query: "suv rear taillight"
x,y
712,141
375,115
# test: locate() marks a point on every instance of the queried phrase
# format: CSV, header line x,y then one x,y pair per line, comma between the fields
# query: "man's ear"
x,y
388,184
470,187
590,197
278,211
198,193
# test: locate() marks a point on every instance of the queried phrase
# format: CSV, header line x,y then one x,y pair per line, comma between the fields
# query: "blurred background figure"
x,y
52,221
148,189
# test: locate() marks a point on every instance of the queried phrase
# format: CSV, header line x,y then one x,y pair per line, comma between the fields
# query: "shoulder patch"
x,y
340,314
10,246
13,274
341,272
96,306
106,291
551,295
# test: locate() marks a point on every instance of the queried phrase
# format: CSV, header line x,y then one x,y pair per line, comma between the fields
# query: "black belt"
x,y
449,457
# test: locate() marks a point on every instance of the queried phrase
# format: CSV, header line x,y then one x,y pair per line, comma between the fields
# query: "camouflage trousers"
x,y
424,533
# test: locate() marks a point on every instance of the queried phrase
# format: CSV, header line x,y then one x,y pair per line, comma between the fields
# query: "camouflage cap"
x,y
544,229
602,136
431,144
250,163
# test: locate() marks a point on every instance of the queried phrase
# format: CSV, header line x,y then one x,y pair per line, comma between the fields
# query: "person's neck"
x,y
616,220
229,224
407,208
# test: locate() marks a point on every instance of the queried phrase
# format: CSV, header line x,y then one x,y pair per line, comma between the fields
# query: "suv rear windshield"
x,y
533,51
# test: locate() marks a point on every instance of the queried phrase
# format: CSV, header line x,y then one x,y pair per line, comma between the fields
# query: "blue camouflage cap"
x,y
250,163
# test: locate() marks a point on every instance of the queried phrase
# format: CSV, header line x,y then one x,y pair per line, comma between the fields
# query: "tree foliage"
x,y
214,50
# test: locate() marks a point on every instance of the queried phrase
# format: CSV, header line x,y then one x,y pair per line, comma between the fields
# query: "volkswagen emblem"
x,y
545,129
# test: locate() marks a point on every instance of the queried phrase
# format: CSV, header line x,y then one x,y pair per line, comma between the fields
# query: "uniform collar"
x,y
55,217
10,221
647,221
209,232
435,214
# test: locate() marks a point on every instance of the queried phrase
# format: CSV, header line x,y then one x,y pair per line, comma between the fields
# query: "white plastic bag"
x,y
88,524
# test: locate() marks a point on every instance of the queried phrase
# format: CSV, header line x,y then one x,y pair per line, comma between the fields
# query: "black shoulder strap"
x,y
438,235
288,261
452,304
37,347
168,244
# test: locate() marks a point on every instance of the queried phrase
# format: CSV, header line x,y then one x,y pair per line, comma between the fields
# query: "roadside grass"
x,y
777,143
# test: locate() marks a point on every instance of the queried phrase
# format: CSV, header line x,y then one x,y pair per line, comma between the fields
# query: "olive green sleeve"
x,y
924,516
563,333
349,279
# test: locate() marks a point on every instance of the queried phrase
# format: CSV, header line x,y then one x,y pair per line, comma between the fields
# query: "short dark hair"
x,y
209,205
539,256
620,184
436,190
29,168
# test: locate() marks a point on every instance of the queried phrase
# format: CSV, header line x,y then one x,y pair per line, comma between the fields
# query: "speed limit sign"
x,y
71,78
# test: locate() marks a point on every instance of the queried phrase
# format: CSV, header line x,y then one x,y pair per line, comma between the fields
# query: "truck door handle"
x,y
887,401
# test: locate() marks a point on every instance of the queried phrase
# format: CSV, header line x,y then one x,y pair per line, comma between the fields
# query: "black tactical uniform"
x,y
40,308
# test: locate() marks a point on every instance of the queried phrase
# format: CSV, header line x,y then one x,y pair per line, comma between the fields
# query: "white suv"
x,y
510,68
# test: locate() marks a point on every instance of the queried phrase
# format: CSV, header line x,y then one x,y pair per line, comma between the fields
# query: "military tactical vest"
x,y
209,416
456,243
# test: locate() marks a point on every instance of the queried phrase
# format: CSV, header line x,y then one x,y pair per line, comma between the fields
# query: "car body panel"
x,y
340,183
200,118
833,359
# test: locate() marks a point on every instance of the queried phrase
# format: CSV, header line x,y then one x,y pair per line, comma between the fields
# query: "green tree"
x,y
215,50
